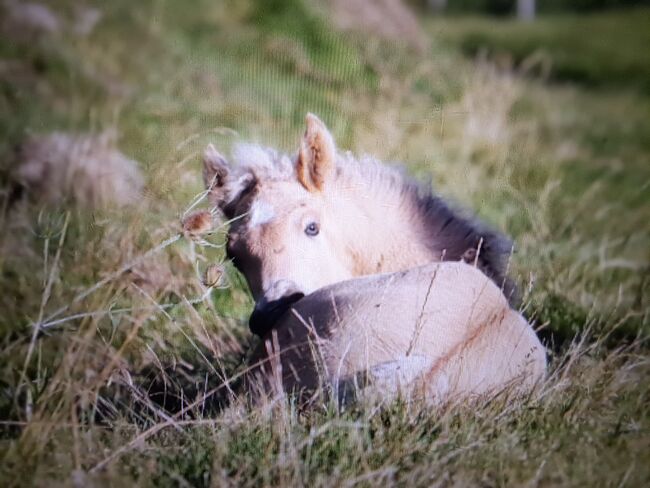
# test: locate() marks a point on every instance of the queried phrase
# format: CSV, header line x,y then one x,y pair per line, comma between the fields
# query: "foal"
x,y
384,280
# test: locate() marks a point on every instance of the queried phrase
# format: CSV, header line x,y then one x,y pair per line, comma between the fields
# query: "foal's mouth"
x,y
266,314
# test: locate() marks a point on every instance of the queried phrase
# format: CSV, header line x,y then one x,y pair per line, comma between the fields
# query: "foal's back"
x,y
439,330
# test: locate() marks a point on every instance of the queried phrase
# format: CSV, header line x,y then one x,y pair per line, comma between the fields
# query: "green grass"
x,y
601,50
562,167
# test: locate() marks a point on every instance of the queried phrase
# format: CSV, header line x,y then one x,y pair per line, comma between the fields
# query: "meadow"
x,y
119,366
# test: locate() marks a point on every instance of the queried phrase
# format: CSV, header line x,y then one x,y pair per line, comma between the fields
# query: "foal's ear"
x,y
215,174
317,155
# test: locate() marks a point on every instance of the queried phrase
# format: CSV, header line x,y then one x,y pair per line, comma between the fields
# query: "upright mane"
x,y
450,234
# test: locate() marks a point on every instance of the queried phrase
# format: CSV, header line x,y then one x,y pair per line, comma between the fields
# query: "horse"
x,y
324,217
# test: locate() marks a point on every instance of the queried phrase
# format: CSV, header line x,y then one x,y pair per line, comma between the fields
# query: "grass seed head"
x,y
213,275
197,223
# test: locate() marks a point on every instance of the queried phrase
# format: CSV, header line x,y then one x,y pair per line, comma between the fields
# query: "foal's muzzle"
x,y
269,309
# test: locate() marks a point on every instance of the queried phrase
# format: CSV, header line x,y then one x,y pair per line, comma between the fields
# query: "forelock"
x,y
265,163
261,212
253,165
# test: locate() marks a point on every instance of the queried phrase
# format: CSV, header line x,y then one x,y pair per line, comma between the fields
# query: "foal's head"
x,y
286,236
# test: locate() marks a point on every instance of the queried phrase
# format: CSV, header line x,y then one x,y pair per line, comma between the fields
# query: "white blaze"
x,y
260,213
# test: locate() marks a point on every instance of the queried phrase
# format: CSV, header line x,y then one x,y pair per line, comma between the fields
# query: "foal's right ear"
x,y
215,175
317,155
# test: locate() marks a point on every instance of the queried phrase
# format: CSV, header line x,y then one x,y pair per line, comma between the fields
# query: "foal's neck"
x,y
384,235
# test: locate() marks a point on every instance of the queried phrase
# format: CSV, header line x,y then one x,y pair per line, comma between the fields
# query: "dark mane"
x,y
451,234
455,237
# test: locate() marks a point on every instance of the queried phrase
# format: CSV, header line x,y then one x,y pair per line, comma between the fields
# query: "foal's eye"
x,y
312,229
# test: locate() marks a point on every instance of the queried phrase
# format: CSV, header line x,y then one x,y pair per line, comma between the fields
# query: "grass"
x,y
597,49
562,167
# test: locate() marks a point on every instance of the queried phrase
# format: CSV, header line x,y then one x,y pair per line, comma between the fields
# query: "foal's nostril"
x,y
266,314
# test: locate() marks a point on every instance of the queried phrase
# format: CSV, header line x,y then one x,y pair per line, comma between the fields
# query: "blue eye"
x,y
312,229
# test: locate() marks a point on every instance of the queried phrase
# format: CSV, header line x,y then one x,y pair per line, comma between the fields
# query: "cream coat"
x,y
441,330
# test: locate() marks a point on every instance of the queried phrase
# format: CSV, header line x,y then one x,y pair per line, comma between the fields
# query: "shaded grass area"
x,y
564,170
602,50
555,441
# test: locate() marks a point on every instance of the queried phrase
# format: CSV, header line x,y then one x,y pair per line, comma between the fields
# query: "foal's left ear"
x,y
317,155
215,175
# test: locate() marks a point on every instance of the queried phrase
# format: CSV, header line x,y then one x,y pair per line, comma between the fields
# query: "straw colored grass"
x,y
120,361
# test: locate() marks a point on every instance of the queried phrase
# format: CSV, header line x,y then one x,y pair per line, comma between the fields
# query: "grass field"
x,y
599,50
543,131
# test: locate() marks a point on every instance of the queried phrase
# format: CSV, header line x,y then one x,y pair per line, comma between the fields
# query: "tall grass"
x,y
117,365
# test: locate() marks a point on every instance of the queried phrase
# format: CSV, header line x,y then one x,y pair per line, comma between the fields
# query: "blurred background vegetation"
x,y
509,7
540,127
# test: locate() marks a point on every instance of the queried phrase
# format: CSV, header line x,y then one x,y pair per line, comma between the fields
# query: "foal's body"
x,y
437,331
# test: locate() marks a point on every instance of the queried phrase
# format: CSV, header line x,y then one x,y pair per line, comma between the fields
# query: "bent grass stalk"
x,y
52,320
